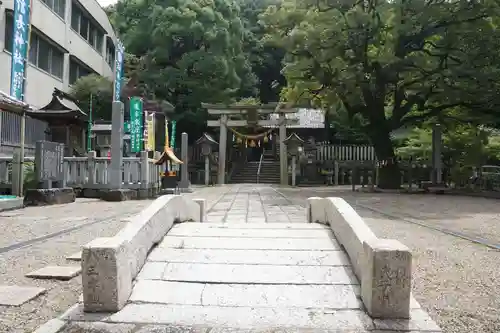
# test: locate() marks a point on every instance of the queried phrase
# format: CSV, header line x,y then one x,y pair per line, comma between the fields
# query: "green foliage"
x,y
190,51
394,63
29,176
463,145
247,101
265,59
101,90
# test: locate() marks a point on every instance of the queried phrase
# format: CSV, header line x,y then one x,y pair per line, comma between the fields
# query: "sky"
x,y
105,3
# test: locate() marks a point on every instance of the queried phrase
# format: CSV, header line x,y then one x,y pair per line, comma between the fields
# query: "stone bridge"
x,y
246,259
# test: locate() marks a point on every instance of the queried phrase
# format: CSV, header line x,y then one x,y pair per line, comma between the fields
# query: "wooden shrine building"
x,y
67,123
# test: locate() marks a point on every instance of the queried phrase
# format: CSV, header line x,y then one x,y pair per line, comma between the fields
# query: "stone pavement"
x,y
255,204
255,266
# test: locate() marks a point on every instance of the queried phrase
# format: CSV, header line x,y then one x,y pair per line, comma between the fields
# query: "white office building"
x,y
69,39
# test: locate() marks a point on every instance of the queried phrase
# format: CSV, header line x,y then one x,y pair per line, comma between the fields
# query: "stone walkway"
x,y
255,266
255,204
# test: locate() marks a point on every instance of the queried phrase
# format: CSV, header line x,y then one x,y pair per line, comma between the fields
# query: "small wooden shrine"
x,y
67,123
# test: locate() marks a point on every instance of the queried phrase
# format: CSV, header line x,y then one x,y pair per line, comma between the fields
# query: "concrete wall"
x,y
40,84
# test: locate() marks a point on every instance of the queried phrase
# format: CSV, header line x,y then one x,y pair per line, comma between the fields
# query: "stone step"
x,y
250,319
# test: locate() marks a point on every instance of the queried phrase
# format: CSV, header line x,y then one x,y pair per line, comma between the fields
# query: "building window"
x,y
110,53
76,71
9,32
83,25
42,53
57,6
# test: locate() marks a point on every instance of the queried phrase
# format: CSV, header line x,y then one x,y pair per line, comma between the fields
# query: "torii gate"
x,y
252,112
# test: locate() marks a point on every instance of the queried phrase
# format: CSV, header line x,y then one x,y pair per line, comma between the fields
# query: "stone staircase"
x,y
247,172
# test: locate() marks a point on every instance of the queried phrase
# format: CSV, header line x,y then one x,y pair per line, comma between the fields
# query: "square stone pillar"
x,y
184,184
437,143
386,279
283,156
115,176
221,178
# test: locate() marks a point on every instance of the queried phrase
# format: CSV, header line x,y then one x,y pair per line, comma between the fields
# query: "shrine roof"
x,y
308,118
60,107
208,138
9,103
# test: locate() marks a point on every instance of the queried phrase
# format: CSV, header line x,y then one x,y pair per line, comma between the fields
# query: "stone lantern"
x,y
294,144
207,143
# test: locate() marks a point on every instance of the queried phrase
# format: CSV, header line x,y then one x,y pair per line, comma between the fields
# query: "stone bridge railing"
x,y
93,172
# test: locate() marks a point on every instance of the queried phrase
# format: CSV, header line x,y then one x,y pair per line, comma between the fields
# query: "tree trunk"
x,y
389,176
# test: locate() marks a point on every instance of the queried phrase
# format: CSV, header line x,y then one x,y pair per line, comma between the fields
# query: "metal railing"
x,y
260,164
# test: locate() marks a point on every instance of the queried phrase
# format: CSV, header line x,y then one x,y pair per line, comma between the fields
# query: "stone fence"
x,y
93,172
383,266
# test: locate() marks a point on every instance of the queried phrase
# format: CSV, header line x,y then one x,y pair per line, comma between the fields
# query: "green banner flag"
x,y
136,124
126,127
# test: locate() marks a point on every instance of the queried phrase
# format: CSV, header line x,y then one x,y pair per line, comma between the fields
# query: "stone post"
x,y
283,155
144,160
106,275
207,170
116,175
336,172
221,178
203,204
91,155
386,278
436,154
16,170
315,211
294,165
184,184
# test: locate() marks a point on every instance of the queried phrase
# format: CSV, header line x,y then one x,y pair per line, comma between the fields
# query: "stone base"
x,y
53,196
165,191
438,188
184,186
9,204
147,193
118,195
92,193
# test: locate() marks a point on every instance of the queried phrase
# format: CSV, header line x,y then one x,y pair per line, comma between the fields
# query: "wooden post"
x,y
222,150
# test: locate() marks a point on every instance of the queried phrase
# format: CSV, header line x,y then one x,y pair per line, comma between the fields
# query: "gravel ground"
x,y
24,225
455,280
36,222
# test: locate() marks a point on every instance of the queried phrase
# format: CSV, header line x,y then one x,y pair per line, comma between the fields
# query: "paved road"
x,y
455,280
36,237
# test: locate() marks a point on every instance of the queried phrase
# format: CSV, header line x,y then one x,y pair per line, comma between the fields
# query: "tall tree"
x,y
189,51
101,91
394,63
265,58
